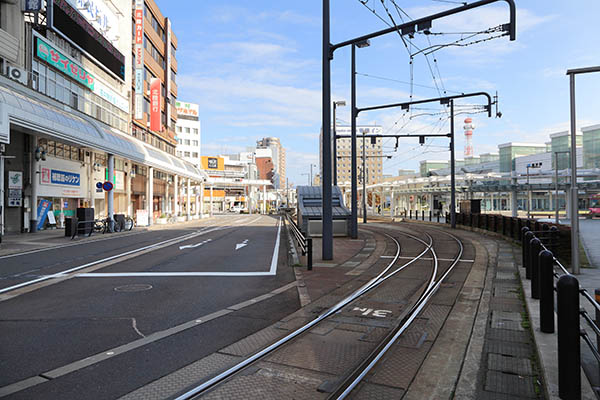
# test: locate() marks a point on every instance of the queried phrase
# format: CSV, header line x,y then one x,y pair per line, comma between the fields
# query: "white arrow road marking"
x,y
240,245
193,246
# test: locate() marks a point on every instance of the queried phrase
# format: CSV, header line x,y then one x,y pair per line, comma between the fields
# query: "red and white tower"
x,y
469,127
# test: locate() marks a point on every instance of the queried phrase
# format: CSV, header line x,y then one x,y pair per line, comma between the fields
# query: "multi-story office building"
x,y
278,156
509,151
66,116
153,105
188,133
373,151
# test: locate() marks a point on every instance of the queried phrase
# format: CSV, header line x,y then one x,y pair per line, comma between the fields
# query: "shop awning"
x,y
26,108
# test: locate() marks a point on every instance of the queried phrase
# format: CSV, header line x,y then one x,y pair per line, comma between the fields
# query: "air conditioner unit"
x,y
16,74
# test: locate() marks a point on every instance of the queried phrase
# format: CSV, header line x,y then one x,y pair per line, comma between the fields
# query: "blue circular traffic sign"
x,y
108,186
99,185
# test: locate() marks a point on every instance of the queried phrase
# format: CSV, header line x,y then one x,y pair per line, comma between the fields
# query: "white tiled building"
x,y
188,132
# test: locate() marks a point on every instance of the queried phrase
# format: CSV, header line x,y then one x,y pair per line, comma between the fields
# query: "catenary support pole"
x,y
354,155
327,242
150,195
452,170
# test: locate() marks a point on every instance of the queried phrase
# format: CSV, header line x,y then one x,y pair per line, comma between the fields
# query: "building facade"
x,y
372,148
189,135
279,159
154,113
66,119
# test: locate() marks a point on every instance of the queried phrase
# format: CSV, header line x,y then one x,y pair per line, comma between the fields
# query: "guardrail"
x,y
511,227
305,243
539,263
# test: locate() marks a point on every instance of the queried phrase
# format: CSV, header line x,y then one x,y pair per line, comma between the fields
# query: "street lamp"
x,y
311,174
574,189
307,177
532,165
556,153
340,103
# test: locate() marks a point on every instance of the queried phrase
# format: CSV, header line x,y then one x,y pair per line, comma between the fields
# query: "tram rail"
x,y
350,381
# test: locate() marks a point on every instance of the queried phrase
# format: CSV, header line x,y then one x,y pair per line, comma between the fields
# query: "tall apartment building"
x,y
188,133
373,150
278,155
154,114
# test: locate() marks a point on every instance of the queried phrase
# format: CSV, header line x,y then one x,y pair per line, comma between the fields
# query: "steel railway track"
x,y
352,380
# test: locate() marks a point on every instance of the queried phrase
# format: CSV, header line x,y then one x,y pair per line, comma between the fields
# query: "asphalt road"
x,y
48,333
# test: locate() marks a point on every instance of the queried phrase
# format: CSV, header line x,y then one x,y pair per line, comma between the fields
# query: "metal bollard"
x,y
569,359
546,262
534,265
438,217
430,216
423,215
537,226
410,214
309,255
503,225
524,241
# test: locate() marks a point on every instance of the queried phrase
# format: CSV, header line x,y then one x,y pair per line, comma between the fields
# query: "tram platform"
x,y
479,338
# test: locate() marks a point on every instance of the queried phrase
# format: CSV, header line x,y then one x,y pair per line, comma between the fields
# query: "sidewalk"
x,y
22,242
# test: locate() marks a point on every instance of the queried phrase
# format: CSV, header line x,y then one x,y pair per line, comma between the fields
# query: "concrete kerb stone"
x,y
454,356
466,387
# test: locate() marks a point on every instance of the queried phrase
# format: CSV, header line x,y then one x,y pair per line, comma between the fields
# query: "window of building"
x,y
194,143
187,130
187,142
195,154
195,130
178,129
187,154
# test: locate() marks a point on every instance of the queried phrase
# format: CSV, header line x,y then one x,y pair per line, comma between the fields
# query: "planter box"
x,y
161,221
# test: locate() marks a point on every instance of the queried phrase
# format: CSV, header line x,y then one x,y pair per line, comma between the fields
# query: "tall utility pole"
x,y
420,24
574,189
364,164
327,247
354,175
452,169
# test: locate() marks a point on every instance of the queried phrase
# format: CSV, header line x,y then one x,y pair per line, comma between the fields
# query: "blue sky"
x,y
255,70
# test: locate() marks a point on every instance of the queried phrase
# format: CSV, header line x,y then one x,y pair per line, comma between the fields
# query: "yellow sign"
x,y
213,163
216,193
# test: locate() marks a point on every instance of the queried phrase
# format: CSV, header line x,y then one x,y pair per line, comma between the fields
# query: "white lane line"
x,y
272,271
153,337
65,273
193,246
24,253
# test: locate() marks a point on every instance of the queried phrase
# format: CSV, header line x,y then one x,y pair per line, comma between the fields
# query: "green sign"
x,y
46,52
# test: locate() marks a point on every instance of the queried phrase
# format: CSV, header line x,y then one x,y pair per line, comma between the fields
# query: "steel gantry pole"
x,y
334,149
354,178
364,166
327,246
452,170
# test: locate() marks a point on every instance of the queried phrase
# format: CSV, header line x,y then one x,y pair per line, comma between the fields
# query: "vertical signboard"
x,y
155,104
139,59
168,73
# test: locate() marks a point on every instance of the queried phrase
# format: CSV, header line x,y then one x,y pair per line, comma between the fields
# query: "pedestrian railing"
x,y
86,227
423,214
511,227
305,243
540,263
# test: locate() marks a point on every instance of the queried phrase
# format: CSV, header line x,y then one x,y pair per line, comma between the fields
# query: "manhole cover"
x,y
139,287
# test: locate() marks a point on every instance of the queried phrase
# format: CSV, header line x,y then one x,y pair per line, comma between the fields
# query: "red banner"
x,y
155,104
